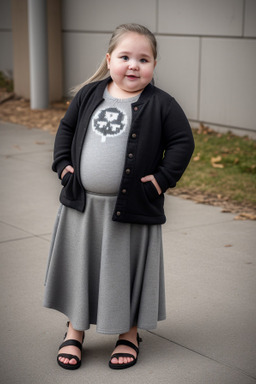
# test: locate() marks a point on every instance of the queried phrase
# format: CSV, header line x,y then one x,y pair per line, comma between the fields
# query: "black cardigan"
x,y
160,142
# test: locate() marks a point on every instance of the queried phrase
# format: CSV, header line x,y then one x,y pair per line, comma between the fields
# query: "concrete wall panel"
x,y
83,54
201,17
228,82
177,70
98,15
55,59
6,56
250,18
5,15
6,59
207,53
21,67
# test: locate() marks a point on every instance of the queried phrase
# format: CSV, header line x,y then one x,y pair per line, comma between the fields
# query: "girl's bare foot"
x,y
71,349
132,337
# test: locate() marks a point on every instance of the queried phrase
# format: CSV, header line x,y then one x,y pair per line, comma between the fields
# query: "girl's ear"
x,y
108,59
155,64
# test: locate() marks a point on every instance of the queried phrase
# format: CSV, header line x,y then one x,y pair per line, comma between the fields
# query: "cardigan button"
x,y
130,155
118,213
135,108
134,135
124,191
128,171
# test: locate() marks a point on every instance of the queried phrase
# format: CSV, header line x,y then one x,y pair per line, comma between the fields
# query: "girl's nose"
x,y
133,65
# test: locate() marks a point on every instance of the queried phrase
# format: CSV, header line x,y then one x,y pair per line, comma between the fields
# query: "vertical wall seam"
x,y
243,18
157,13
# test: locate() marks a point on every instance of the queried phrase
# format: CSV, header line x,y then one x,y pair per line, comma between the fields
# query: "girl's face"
x,y
131,65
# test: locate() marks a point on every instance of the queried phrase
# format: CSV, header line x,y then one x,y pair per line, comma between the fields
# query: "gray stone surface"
x,y
210,331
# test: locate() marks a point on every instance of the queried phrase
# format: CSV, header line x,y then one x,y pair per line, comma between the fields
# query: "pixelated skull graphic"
x,y
109,122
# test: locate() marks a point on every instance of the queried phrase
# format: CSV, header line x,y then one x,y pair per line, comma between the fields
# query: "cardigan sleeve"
x,y
64,137
178,147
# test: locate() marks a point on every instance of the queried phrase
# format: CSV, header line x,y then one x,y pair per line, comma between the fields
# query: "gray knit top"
x,y
103,153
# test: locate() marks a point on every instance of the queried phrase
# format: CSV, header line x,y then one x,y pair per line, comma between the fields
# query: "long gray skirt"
x,y
103,272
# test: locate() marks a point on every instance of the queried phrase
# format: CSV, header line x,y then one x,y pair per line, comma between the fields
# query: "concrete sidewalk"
x,y
209,336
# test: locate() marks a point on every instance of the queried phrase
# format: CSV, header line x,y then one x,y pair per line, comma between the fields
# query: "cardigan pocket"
x,y
68,192
65,179
151,191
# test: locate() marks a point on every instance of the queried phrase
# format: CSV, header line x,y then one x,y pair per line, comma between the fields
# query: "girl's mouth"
x,y
132,77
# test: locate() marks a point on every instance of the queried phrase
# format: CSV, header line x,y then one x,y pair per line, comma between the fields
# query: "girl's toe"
x,y
114,360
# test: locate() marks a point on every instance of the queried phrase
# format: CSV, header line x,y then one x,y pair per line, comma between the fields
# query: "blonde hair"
x,y
103,71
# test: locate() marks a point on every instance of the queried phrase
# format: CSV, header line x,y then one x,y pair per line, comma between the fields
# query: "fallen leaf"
x,y
245,216
215,160
228,245
197,157
217,165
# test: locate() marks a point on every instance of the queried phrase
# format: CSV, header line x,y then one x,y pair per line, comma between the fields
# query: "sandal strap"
x,y
72,342
128,344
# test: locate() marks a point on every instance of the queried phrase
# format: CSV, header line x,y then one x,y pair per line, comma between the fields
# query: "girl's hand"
x,y
68,168
151,178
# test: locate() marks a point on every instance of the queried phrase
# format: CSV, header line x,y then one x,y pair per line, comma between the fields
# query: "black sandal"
x,y
117,355
66,343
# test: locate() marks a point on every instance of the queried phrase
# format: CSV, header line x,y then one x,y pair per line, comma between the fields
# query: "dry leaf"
x,y
217,165
215,160
197,157
228,245
226,210
245,216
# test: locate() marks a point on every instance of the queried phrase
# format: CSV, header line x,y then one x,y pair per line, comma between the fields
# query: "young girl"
x,y
121,144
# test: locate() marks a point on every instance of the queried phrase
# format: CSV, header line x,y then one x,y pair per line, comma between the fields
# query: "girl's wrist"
x,y
153,180
159,190
67,169
63,173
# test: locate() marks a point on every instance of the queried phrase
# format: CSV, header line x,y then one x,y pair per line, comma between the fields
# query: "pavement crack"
x,y
241,371
16,239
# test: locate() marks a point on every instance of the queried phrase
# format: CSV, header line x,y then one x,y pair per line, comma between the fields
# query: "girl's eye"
x,y
144,60
125,58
